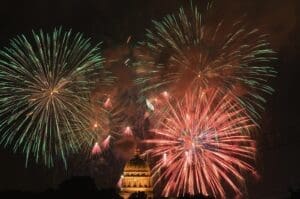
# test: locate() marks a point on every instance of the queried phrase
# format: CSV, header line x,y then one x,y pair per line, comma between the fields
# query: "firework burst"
x,y
200,145
45,86
186,50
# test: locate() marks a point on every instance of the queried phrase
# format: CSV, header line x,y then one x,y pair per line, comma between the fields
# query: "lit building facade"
x,y
136,178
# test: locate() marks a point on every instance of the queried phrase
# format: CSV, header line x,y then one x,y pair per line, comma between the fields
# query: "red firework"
x,y
201,143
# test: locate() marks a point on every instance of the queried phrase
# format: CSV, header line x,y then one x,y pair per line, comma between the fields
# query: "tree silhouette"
x,y
138,195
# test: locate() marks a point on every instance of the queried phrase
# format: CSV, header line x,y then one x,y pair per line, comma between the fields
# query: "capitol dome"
x,y
136,177
136,165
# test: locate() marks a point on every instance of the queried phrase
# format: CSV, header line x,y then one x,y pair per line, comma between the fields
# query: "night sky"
x,y
113,21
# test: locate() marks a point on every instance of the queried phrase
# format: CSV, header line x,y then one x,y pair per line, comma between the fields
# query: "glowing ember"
x,y
165,94
165,158
105,143
107,103
120,181
128,131
96,149
149,105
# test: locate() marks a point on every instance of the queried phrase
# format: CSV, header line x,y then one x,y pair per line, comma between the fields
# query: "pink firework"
x,y
127,131
201,144
96,149
107,103
105,143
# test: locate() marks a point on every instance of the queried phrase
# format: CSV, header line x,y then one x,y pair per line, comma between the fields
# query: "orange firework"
x,y
185,48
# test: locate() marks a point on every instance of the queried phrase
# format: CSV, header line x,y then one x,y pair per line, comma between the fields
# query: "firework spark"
x,y
187,50
128,131
96,149
106,142
200,145
107,103
45,86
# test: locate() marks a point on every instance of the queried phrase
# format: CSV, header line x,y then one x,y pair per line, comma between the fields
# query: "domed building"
x,y
136,178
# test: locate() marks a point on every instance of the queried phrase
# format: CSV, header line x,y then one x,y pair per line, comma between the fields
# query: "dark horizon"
x,y
112,22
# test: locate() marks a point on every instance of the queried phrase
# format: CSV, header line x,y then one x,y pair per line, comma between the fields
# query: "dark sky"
x,y
112,21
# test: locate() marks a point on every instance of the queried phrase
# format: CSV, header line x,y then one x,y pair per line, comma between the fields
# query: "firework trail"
x,y
123,119
184,49
200,146
120,102
45,86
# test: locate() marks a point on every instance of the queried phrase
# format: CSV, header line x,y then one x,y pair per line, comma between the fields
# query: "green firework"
x,y
186,50
45,87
